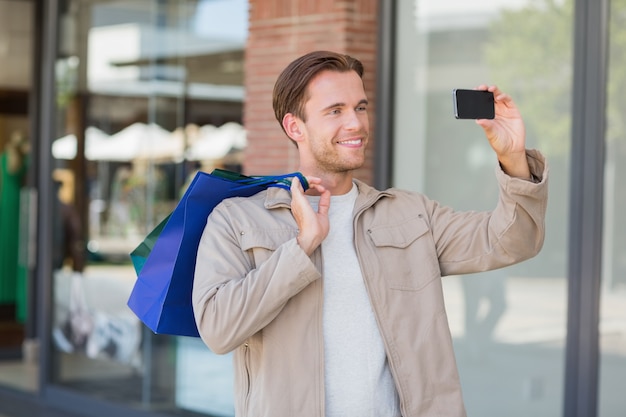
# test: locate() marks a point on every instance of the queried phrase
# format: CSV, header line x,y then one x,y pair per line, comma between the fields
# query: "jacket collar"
x,y
276,197
368,196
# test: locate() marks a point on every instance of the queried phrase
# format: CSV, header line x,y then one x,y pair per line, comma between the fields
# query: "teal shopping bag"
x,y
165,261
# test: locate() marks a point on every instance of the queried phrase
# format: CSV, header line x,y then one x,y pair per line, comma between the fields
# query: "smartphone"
x,y
473,104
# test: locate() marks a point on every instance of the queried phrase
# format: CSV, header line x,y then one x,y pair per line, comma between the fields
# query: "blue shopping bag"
x,y
165,261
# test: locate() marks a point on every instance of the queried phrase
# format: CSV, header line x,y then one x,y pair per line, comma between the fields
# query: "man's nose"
x,y
353,121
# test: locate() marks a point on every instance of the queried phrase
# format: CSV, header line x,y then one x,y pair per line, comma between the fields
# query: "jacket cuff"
x,y
302,262
537,165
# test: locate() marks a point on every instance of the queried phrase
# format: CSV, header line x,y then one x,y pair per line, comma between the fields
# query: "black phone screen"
x,y
473,104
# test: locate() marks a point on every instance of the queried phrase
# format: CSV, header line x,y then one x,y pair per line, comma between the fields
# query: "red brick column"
x,y
282,30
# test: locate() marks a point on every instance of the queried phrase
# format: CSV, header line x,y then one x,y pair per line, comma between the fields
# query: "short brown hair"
x,y
290,90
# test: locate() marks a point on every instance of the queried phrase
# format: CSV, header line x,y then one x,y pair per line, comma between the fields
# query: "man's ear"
x,y
291,124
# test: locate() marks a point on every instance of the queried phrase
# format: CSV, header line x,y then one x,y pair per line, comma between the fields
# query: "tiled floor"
x,y
18,374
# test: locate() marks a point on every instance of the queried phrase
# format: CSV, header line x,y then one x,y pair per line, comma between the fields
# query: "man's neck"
x,y
336,183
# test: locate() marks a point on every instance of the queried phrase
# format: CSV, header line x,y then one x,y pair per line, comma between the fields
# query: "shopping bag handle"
x,y
280,181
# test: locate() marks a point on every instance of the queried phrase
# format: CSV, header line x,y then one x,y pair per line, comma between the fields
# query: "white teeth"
x,y
351,142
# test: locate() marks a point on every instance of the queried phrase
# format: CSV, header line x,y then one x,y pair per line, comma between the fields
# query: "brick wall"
x,y
282,30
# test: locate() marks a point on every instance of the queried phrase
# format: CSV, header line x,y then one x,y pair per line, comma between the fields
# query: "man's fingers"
x,y
324,203
295,185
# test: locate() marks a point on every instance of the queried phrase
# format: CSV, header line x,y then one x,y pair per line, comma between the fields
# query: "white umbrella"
x,y
66,146
141,141
215,143
150,141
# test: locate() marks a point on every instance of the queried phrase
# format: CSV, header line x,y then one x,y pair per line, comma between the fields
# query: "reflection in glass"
x,y
149,92
508,325
612,402
18,344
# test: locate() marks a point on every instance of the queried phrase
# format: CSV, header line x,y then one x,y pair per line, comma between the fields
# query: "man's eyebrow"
x,y
334,105
339,104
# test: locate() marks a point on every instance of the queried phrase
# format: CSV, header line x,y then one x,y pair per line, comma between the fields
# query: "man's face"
x,y
336,130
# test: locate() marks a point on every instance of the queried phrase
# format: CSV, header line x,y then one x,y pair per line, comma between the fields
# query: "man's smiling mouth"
x,y
350,142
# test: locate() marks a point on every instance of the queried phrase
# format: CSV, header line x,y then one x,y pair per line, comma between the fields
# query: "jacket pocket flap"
x,y
269,239
399,235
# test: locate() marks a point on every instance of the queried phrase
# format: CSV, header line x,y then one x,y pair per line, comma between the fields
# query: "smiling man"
x,y
332,299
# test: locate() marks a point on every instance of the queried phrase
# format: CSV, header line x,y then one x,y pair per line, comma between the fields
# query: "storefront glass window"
x,y
509,325
148,93
612,402
17,345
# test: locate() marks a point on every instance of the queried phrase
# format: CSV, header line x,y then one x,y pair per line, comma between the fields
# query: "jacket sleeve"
x,y
233,298
514,231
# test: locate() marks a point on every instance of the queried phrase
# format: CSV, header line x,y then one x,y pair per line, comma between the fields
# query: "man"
x,y
332,299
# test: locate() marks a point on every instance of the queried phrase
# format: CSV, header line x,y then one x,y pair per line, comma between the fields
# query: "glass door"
x,y
612,402
508,326
148,92
18,344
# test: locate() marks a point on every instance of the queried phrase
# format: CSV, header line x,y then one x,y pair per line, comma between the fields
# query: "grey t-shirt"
x,y
358,380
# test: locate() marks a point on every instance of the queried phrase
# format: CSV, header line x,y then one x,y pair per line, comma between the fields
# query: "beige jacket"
x,y
257,293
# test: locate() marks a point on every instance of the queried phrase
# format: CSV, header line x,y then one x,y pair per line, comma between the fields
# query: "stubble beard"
x,y
330,162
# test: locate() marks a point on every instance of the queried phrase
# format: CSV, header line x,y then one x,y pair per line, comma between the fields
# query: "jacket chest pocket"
x,y
260,244
406,253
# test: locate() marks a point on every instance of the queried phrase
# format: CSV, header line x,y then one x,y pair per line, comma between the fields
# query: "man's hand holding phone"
x,y
502,122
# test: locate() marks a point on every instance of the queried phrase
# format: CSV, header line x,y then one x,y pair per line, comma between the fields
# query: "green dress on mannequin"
x,y
11,178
